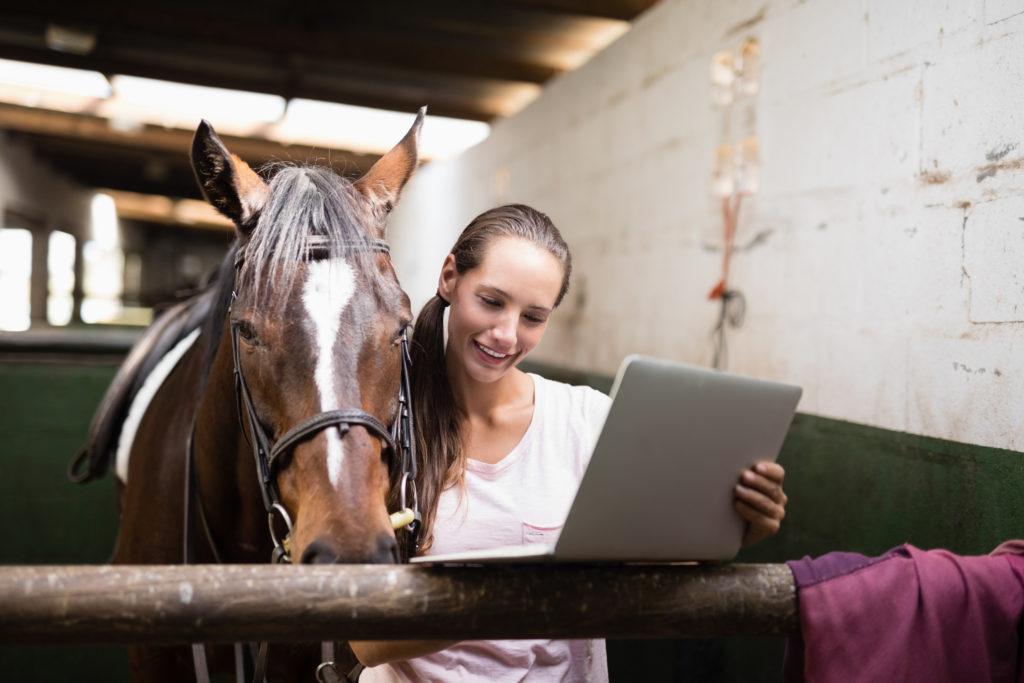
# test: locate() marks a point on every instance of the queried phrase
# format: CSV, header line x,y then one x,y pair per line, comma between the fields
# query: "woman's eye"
x,y
534,320
493,303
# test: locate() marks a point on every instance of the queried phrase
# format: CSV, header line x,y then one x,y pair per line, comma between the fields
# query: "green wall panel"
x,y
863,489
45,410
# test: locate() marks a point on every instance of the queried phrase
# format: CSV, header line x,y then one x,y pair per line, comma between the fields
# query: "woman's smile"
x,y
489,356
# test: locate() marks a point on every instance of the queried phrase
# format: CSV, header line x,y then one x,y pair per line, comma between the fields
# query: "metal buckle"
x,y
407,512
281,551
327,672
410,485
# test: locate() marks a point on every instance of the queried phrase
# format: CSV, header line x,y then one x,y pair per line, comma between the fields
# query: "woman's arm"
x,y
376,652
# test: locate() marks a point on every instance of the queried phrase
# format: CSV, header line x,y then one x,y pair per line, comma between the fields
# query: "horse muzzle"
x,y
323,550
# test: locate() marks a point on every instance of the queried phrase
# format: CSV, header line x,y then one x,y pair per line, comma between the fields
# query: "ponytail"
x,y
438,444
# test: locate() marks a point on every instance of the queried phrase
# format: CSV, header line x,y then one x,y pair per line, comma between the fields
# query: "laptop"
x,y
659,485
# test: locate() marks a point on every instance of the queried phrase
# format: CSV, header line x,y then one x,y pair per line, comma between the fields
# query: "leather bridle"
x,y
399,440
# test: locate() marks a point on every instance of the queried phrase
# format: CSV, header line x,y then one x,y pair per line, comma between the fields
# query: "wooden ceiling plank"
x,y
418,50
253,150
623,10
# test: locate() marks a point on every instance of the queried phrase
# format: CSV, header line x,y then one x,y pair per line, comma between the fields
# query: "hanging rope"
x,y
733,305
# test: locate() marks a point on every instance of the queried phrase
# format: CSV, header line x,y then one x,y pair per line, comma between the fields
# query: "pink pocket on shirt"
x,y
540,534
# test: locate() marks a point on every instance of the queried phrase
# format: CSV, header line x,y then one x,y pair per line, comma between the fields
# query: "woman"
x,y
502,451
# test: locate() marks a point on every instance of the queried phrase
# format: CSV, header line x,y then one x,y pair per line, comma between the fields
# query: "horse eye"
x,y
396,339
246,330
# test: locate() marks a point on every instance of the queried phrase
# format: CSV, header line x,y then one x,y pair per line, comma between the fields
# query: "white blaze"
x,y
327,291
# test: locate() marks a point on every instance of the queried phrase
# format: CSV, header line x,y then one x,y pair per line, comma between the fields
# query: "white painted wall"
x,y
889,280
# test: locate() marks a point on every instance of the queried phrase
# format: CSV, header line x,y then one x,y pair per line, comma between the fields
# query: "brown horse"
x,y
309,301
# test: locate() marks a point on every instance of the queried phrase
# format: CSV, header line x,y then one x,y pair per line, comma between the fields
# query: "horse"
x,y
296,357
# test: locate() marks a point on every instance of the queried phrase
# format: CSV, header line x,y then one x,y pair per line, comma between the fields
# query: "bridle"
x,y
269,454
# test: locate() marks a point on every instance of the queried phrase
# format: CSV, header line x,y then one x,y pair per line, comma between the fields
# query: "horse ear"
x,y
384,181
228,183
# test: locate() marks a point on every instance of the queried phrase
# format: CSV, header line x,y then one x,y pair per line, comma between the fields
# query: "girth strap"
x,y
342,419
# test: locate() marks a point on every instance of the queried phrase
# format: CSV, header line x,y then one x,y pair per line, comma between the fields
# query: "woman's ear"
x,y
447,280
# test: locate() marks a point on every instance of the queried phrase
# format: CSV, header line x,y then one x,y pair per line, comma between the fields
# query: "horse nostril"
x,y
387,550
319,552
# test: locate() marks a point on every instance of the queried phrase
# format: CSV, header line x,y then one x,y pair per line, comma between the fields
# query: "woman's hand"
x,y
760,500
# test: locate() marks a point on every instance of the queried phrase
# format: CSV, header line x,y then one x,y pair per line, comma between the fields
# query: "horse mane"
x,y
304,202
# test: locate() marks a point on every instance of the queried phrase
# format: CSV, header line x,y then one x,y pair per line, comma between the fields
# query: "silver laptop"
x,y
659,486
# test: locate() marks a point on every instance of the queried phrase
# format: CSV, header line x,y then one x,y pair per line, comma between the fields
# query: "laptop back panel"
x,y
659,486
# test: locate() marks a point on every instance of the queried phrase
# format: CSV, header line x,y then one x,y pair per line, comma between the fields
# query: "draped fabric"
x,y
910,615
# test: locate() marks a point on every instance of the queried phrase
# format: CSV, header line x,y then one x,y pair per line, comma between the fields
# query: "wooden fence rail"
x,y
177,604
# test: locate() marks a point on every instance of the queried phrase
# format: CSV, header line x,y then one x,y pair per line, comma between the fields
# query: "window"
x,y
15,279
103,272
60,301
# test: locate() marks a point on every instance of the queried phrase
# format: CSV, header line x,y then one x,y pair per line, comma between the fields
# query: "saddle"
x,y
93,460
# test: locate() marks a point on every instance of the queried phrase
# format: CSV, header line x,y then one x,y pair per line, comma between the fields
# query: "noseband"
x,y
269,454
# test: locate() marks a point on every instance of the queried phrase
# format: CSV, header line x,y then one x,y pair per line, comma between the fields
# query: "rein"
x,y
269,457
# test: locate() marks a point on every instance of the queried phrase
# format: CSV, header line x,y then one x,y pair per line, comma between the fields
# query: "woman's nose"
x,y
505,332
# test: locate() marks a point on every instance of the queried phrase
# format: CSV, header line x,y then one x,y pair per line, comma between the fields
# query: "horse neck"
x,y
225,470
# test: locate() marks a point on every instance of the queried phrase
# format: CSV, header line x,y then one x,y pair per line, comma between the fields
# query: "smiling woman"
x,y
507,271
501,452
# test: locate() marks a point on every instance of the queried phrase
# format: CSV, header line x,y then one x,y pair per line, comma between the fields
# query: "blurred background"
x,y
849,172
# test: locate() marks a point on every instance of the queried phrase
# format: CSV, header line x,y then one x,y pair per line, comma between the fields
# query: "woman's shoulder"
x,y
575,401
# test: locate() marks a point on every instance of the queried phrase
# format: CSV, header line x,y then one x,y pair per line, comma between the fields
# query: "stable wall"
x,y
33,197
31,187
881,257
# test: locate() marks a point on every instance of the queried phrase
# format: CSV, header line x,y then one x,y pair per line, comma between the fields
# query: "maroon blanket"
x,y
910,615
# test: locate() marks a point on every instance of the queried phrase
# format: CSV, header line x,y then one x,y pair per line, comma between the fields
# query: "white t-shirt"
x,y
523,498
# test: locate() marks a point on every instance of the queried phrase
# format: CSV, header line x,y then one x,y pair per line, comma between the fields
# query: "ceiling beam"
x,y
188,213
623,10
96,129
133,169
79,144
364,37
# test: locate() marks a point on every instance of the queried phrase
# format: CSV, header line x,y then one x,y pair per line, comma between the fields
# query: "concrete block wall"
x,y
882,258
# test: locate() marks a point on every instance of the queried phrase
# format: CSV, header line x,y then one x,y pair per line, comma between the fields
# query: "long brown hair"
x,y
442,460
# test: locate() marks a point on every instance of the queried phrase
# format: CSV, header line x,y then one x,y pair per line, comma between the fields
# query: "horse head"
x,y
315,327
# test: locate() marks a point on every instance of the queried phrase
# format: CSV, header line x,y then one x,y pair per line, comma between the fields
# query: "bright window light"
x,y
375,131
129,103
180,105
102,283
61,267
103,278
104,221
15,279
51,87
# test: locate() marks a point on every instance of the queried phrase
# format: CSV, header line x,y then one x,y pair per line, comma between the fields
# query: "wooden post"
x,y
179,604
78,292
39,287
